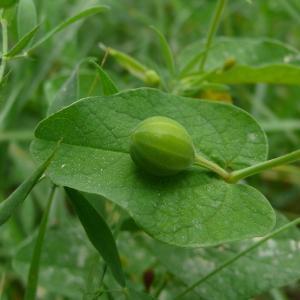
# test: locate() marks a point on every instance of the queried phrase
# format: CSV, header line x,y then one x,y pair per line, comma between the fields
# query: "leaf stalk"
x,y
235,176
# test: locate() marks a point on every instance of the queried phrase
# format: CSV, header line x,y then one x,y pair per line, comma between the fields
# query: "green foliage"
x,y
27,17
92,147
98,233
204,233
251,62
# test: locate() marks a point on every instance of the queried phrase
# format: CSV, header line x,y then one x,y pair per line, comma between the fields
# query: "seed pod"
x,y
161,146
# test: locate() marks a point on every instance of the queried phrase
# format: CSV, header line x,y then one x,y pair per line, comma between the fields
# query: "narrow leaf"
x,y
83,14
8,206
67,94
27,17
33,274
98,232
166,51
108,86
22,43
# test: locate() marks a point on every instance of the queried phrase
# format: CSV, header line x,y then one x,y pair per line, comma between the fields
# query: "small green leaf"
x,y
22,43
82,15
67,94
193,208
27,17
166,50
33,274
8,206
98,232
108,86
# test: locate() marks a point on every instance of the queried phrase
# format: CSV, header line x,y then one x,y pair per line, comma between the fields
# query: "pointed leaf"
x,y
166,50
194,208
82,15
108,86
22,43
27,17
67,94
33,274
8,206
98,232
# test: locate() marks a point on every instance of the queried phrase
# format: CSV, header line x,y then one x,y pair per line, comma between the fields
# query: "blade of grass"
x,y
236,257
33,275
4,45
22,43
212,30
83,14
98,233
166,51
8,206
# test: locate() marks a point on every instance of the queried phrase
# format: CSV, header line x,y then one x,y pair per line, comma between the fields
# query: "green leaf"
x,y
27,17
65,262
33,274
98,232
67,94
82,15
166,51
108,86
22,43
194,208
8,206
252,61
254,272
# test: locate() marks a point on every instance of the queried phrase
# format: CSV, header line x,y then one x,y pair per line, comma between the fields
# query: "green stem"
x,y
212,30
4,47
243,173
205,163
32,279
236,257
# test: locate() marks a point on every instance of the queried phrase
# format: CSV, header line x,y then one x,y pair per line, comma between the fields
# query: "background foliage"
x,y
262,36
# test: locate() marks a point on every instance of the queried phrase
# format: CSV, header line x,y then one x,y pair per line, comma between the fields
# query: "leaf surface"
x,y
253,60
27,17
194,208
253,272
98,232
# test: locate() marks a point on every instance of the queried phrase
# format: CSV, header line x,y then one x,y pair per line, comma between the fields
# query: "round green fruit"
x,y
161,146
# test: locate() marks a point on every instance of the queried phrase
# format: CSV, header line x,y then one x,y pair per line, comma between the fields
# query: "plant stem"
x,y
32,279
4,46
236,257
212,30
205,163
243,173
